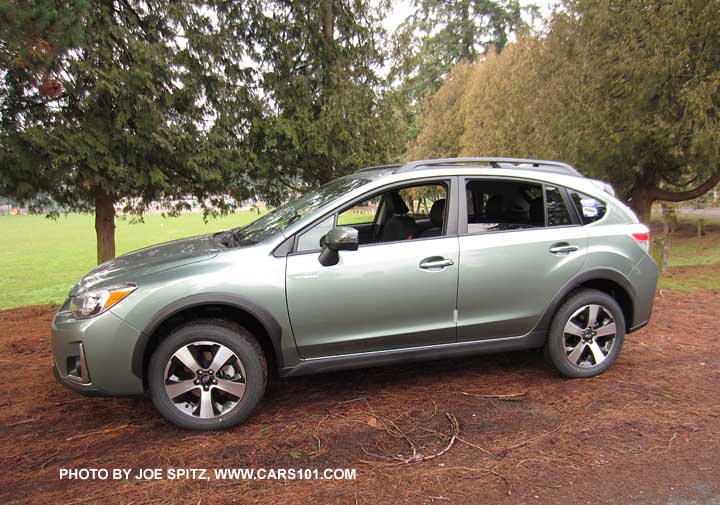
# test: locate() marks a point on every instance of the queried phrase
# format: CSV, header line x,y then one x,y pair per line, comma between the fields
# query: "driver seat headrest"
x,y
437,212
396,204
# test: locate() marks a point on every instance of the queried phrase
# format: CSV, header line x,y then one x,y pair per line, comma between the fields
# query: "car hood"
x,y
130,267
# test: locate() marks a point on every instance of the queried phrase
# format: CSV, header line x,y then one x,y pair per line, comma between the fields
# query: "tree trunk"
x,y
641,201
646,192
467,33
105,226
328,22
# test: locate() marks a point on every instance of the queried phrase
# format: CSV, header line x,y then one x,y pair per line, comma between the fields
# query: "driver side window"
x,y
397,214
362,213
405,213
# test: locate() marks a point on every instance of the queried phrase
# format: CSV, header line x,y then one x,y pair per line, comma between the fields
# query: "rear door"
x,y
519,243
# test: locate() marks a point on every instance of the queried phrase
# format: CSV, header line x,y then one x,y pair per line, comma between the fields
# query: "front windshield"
x,y
285,215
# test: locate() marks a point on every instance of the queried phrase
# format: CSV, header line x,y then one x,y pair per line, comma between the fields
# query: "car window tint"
x,y
557,211
504,205
589,208
310,240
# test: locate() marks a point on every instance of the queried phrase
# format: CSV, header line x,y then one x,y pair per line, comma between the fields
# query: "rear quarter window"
x,y
589,209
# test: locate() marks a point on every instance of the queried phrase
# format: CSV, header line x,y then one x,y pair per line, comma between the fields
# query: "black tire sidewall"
x,y
555,346
231,335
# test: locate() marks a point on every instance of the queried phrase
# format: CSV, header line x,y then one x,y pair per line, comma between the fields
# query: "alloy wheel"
x,y
204,379
589,336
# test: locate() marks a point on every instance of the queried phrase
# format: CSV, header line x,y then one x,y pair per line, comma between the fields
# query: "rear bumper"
x,y
643,279
94,356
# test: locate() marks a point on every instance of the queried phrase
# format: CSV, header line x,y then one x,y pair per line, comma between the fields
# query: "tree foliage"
x,y
441,34
324,111
122,101
627,90
151,104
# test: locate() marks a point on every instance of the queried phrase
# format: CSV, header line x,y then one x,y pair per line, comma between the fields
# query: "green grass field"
x,y
41,258
694,261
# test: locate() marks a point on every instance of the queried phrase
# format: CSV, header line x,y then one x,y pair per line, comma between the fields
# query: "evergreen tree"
x,y
629,91
441,34
326,111
122,102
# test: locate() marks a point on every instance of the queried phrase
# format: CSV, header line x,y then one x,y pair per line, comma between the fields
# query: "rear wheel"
x,y
207,375
586,334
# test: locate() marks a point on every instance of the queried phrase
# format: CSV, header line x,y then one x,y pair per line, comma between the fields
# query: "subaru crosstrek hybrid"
x,y
425,260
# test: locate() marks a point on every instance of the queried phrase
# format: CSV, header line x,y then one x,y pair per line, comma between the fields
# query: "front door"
x,y
396,291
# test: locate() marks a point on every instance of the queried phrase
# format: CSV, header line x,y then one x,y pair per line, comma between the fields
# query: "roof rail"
x,y
380,167
540,165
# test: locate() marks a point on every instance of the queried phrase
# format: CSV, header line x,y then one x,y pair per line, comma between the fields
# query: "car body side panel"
x,y
375,298
235,275
507,279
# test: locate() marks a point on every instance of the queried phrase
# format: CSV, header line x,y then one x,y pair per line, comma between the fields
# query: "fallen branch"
x,y
455,433
477,447
415,458
531,439
77,400
22,422
99,432
510,395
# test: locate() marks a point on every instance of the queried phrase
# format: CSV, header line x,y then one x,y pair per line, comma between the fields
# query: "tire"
x,y
579,347
210,395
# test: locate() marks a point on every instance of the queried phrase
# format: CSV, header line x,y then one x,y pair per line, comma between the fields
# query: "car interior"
x,y
399,214
420,211
504,205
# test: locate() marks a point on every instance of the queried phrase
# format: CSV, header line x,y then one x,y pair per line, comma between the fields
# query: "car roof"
x,y
554,172
548,166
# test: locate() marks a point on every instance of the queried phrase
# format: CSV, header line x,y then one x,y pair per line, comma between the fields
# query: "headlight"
x,y
96,302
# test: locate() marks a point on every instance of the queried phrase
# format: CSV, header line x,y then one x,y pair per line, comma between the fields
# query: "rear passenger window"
x,y
589,208
557,211
504,205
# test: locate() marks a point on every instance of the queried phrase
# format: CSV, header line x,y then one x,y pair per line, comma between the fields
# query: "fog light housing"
x,y
77,367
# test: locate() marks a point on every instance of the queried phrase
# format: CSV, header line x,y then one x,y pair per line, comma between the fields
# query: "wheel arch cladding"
x,y
618,292
252,317
609,281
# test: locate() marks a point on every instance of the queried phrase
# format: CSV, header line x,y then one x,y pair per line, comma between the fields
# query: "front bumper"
x,y
83,389
94,356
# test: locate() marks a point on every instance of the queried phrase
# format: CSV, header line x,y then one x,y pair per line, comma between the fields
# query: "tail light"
x,y
641,234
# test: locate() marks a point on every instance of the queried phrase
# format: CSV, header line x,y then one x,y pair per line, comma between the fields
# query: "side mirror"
x,y
340,238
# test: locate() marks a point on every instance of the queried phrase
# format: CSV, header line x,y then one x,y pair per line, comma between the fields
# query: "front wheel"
x,y
586,334
207,375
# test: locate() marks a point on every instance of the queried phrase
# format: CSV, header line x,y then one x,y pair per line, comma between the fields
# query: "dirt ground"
x,y
647,431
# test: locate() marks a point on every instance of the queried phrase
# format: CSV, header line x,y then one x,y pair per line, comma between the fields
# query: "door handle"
x,y
435,263
563,248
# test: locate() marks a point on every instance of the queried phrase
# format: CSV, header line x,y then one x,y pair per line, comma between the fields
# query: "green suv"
x,y
425,260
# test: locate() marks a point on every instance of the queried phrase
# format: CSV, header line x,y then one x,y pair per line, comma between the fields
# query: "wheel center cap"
x,y
205,379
